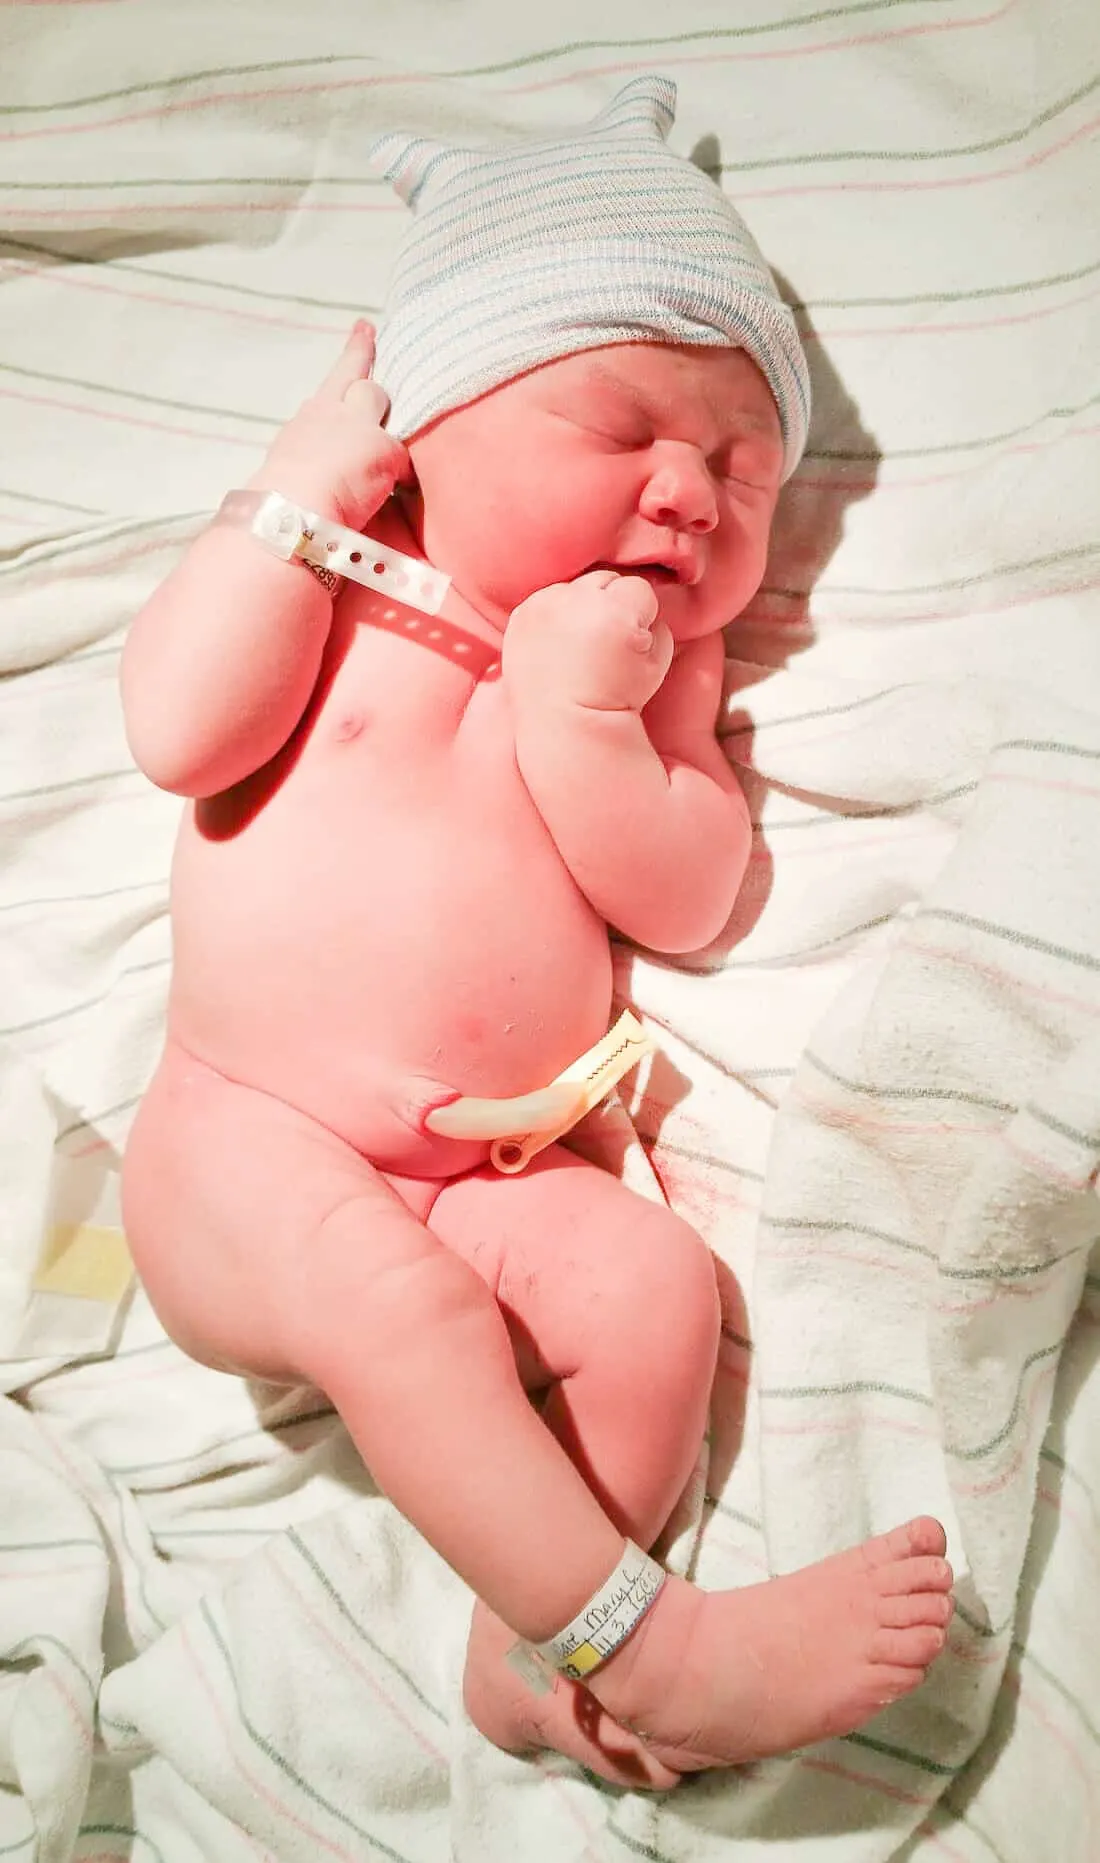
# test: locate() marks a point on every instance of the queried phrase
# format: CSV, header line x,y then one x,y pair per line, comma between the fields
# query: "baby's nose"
x,y
680,493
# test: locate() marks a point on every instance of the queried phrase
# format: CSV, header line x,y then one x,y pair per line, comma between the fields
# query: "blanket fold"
x,y
876,1095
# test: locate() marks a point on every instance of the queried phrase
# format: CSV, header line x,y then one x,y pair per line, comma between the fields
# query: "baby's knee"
x,y
671,1309
692,1282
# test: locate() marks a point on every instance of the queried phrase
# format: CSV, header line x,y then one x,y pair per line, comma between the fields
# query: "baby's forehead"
x,y
661,379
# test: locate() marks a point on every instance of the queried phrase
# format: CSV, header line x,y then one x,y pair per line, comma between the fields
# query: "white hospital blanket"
x,y
880,1101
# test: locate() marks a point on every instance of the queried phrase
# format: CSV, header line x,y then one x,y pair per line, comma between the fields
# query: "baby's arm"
x,y
645,810
221,662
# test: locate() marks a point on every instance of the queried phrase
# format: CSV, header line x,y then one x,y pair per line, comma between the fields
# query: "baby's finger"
x,y
381,463
368,398
597,578
355,362
637,598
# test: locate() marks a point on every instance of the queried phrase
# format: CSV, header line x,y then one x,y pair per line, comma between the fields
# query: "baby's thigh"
x,y
582,1266
225,1191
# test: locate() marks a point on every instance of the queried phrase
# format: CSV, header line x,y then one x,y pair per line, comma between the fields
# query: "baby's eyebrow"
x,y
739,421
598,375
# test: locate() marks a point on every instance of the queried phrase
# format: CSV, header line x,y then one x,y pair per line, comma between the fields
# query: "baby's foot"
x,y
720,1678
567,1719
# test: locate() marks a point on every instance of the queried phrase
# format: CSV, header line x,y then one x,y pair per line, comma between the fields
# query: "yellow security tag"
x,y
84,1259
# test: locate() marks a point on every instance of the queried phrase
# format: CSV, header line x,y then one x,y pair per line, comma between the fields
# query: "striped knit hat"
x,y
519,257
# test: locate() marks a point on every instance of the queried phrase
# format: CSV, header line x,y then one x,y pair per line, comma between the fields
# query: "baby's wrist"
x,y
310,493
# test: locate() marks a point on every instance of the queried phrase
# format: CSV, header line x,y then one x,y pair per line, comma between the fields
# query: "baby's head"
x,y
591,363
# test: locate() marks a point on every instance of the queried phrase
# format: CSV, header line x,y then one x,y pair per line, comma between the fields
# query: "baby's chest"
x,y
398,712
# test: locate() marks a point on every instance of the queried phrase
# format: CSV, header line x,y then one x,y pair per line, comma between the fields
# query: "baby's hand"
x,y
334,456
597,642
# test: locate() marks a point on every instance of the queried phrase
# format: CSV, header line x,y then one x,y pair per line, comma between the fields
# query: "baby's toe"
x,y
920,1607
924,1536
890,1683
920,1538
908,1649
912,1575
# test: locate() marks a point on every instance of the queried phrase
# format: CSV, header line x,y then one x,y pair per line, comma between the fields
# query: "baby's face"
x,y
659,461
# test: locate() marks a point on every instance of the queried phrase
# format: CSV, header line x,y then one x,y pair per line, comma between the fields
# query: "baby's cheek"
x,y
514,563
749,544
538,558
732,581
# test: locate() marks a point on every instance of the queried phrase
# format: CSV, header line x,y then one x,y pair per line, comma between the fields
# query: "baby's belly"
x,y
362,937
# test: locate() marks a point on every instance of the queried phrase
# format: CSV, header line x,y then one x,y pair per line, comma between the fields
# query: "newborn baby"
x,y
391,900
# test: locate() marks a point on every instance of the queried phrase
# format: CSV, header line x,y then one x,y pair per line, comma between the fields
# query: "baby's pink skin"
x,y
398,944
394,887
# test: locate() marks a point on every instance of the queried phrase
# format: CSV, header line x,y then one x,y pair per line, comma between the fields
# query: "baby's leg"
x,y
268,1246
613,1301
612,1305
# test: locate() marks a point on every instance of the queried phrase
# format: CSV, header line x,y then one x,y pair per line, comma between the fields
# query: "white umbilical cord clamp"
x,y
332,550
598,1630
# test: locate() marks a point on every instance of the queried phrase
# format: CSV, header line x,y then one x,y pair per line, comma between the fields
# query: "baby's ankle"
x,y
652,1654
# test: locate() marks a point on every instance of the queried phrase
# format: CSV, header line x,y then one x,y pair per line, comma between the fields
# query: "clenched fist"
x,y
334,456
597,642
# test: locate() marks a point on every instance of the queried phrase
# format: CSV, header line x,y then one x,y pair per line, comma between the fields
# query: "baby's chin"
x,y
691,612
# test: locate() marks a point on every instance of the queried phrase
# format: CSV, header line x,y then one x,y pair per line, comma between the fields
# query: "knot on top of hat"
x,y
646,103
409,162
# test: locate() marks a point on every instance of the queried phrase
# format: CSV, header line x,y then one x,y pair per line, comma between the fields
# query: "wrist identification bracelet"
x,y
598,1630
332,550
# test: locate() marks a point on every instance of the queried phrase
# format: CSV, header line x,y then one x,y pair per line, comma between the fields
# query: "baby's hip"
x,y
252,1224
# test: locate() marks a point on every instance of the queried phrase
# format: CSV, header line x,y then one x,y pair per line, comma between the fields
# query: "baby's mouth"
x,y
657,573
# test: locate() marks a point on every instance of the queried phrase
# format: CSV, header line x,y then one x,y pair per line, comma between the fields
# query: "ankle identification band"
x,y
597,1632
331,550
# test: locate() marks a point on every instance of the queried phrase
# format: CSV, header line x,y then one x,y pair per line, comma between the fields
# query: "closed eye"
x,y
624,433
623,438
741,479
757,467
